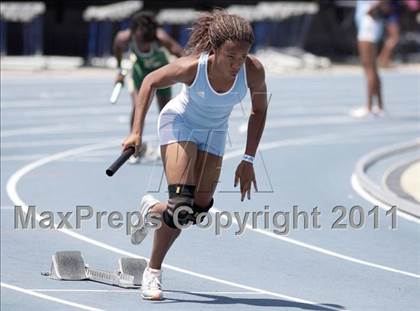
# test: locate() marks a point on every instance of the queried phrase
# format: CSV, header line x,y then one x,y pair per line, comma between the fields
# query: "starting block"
x,y
69,265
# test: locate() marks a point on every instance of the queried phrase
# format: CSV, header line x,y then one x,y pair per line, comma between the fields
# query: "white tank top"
x,y
203,107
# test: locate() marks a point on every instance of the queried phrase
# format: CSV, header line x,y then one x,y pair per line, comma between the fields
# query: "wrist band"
x,y
248,158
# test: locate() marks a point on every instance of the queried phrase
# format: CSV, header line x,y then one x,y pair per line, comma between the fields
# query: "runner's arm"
x,y
182,70
170,43
258,90
120,44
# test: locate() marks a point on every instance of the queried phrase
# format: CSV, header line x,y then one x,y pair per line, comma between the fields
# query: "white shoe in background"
x,y
139,234
380,113
142,152
133,160
361,112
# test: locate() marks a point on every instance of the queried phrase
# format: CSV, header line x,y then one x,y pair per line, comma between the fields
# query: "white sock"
x,y
155,272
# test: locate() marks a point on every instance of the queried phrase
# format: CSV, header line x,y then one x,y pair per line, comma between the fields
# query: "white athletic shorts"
x,y
173,127
369,29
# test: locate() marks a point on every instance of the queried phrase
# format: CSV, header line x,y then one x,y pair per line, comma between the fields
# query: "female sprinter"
x,y
370,23
215,74
144,39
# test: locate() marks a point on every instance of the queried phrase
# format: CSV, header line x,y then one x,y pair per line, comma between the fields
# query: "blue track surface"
x,y
59,133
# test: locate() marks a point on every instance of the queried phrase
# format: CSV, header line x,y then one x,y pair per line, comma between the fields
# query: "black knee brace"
x,y
181,197
198,210
181,201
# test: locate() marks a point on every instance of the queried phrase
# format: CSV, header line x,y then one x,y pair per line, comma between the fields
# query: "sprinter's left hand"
x,y
245,175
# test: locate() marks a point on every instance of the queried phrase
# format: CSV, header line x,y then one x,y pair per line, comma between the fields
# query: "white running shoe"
x,y
140,233
157,155
142,152
361,112
133,160
151,284
381,113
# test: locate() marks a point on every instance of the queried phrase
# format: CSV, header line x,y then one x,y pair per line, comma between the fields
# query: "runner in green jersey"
x,y
145,40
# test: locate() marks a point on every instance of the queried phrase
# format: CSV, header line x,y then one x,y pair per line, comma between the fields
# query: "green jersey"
x,y
145,63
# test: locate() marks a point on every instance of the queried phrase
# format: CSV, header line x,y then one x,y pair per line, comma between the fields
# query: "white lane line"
x,y
222,293
354,137
109,120
332,110
47,104
288,122
320,249
55,142
12,192
134,291
368,197
302,121
276,144
29,157
285,142
401,129
61,129
46,290
65,112
50,298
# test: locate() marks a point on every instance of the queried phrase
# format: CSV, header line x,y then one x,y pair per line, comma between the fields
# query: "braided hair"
x,y
213,29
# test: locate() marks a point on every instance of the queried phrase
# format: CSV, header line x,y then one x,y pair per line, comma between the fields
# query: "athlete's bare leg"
x,y
393,36
367,52
184,164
